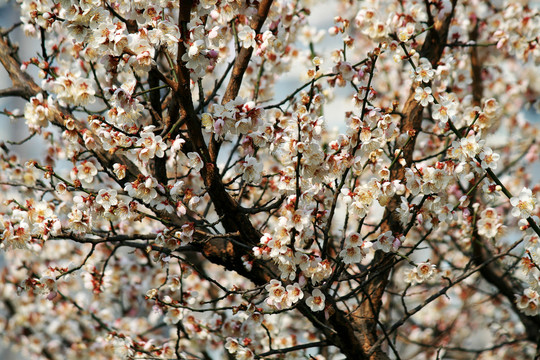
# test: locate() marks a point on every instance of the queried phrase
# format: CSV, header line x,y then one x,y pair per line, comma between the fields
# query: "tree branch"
x,y
365,317
23,85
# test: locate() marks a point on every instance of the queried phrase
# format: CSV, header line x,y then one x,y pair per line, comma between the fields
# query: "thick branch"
x,y
493,272
14,91
365,317
23,85
240,65
242,60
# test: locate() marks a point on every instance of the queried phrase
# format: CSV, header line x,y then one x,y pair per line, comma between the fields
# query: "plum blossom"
x,y
251,170
387,242
491,107
130,85
424,72
446,109
107,198
244,354
86,171
122,347
354,248
423,95
489,224
354,239
276,293
467,148
351,254
195,162
149,145
316,301
73,89
363,197
294,294
38,112
174,315
299,219
405,33
419,274
79,221
232,345
524,204
120,170
471,145
528,303
489,158
16,236
144,190
247,36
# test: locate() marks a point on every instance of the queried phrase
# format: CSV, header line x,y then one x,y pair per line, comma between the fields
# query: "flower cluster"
x,y
421,273
524,204
528,302
354,249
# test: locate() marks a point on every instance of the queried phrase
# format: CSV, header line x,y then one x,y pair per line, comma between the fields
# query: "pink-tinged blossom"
x,y
316,301
298,219
16,236
278,246
320,194
491,107
363,197
276,293
122,211
421,273
528,303
354,239
244,354
489,224
186,235
107,198
387,242
294,294
524,204
405,33
413,181
471,145
177,189
39,112
423,96
232,345
247,36
446,109
489,158
351,255
86,171
320,272
444,8
120,171
424,72
149,145
122,347
143,190
79,221
61,188
195,162
251,170
174,315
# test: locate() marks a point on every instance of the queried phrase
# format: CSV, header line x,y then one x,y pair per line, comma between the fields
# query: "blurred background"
x,y
12,129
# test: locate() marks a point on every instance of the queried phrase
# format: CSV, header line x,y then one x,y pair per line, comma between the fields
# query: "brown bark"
x,y
493,272
22,82
366,317
239,69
